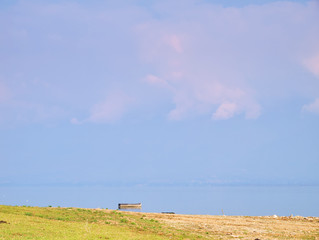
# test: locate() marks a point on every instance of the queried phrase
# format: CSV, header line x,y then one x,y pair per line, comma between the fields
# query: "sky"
x,y
159,92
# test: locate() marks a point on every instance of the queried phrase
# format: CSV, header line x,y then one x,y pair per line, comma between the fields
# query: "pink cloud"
x,y
313,64
225,111
175,42
232,57
209,60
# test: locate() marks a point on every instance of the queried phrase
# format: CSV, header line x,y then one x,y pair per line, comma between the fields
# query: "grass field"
x,y
77,223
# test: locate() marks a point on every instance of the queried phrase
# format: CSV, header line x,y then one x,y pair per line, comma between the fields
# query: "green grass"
x,y
76,223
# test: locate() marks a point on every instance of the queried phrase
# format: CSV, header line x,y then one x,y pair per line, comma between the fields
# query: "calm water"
x,y
256,201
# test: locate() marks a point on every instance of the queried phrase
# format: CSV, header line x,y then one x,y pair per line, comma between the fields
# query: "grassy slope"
x,y
76,223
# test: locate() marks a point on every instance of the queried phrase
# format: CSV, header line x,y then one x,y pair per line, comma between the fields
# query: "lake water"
x,y
232,200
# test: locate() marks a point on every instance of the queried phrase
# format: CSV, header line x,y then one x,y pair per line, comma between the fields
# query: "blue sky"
x,y
159,92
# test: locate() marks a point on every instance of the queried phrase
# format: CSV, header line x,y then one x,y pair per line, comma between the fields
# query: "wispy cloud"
x,y
225,111
175,42
4,93
313,64
156,81
111,109
312,107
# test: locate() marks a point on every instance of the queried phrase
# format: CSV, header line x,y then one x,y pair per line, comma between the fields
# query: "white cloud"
x,y
202,97
312,107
